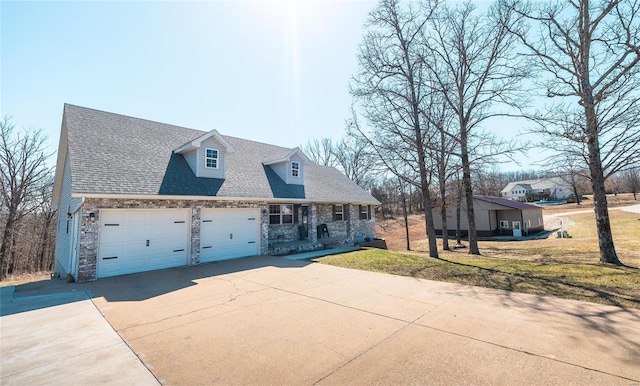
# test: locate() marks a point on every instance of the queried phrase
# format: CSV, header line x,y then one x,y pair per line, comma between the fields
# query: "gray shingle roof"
x,y
116,154
540,183
506,202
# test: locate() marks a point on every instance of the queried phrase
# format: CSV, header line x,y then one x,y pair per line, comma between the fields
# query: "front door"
x,y
517,232
305,222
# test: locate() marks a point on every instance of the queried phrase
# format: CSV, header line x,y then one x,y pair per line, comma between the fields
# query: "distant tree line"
x,y
27,220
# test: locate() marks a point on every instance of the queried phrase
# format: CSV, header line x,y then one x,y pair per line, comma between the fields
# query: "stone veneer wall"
x,y
318,214
88,251
362,228
337,229
351,227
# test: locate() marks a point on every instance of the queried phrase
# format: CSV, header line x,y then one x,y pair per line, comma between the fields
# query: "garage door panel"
x,y
141,240
228,233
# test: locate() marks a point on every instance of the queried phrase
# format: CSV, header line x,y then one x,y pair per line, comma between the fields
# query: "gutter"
x,y
76,239
215,198
79,205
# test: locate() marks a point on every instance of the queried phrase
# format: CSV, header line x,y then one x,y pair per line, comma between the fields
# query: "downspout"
x,y
76,229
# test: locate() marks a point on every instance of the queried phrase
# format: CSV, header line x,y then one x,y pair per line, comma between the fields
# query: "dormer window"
x,y
211,158
295,169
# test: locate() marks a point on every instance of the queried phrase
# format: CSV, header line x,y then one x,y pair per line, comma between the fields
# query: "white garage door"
x,y
142,240
228,233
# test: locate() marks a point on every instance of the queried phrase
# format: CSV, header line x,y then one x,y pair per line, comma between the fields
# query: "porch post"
x,y
313,223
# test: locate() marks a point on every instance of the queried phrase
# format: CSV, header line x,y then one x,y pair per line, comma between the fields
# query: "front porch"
x,y
279,248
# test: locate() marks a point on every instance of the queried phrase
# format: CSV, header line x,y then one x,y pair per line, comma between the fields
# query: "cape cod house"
x,y
135,195
554,188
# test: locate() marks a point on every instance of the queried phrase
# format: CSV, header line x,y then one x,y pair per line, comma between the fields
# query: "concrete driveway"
x,y
268,320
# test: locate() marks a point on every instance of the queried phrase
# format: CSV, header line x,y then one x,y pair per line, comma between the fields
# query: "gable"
x,y
290,168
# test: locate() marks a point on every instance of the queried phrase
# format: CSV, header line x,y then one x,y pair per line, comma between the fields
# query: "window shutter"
x,y
368,212
296,208
333,215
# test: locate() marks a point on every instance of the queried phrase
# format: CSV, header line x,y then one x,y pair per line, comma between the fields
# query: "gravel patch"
x,y
553,222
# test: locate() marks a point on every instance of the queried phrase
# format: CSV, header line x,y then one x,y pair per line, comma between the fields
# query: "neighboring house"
x,y
135,195
494,216
537,190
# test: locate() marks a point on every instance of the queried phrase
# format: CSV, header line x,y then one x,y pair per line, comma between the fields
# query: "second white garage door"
x,y
229,233
137,240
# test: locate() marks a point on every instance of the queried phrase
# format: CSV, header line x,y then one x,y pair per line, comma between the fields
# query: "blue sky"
x,y
274,72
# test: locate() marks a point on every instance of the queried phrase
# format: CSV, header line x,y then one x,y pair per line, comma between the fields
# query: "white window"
x,y
504,224
211,158
338,212
364,212
281,214
295,169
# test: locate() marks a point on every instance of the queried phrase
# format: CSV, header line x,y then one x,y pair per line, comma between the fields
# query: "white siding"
x,y
65,226
211,143
192,159
295,180
283,170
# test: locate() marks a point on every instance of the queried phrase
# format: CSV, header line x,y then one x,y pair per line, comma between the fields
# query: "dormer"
x,y
206,155
290,167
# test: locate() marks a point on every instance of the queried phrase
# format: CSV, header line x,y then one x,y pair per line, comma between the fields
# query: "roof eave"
x,y
218,198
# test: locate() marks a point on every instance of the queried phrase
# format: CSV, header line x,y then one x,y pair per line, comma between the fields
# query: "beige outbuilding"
x,y
494,216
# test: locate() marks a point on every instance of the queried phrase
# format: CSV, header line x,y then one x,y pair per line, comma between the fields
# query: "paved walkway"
x,y
268,320
62,338
629,208
632,208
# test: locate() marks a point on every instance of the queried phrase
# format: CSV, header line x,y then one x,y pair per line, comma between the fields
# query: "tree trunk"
x,y
575,193
605,237
4,248
406,220
443,215
442,181
468,192
458,214
48,217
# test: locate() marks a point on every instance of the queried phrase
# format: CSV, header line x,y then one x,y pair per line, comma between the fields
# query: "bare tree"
x,y
23,173
354,155
476,68
390,86
632,181
489,180
442,149
403,198
45,219
572,171
588,52
321,151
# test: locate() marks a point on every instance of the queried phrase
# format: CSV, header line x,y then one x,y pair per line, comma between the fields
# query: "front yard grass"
x,y
566,268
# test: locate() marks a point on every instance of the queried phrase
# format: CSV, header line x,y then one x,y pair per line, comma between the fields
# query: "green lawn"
x,y
566,268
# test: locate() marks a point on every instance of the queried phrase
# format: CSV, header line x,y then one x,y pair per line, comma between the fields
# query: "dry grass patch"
x,y
24,278
589,282
566,268
582,247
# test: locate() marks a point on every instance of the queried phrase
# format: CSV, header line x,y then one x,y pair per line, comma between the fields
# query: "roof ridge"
x,y
258,142
170,124
131,117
